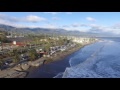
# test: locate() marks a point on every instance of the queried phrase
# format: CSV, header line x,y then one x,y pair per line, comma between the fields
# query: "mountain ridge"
x,y
58,31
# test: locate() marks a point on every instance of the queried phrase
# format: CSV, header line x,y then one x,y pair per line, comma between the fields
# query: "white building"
x,y
81,40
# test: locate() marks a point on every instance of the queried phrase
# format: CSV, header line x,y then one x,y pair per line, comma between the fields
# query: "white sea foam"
x,y
103,62
59,75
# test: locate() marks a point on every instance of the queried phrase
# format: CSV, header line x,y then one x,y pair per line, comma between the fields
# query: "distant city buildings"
x,y
80,39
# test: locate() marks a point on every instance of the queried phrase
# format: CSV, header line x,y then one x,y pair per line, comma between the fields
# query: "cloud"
x,y
94,28
104,29
2,16
55,18
75,25
29,18
8,18
11,18
65,26
51,26
53,13
15,21
68,13
5,22
116,26
33,18
93,25
90,19
79,25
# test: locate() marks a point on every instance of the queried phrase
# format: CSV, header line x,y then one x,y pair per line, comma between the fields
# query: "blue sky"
x,y
96,22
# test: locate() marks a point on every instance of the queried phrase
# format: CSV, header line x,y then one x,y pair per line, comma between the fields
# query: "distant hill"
x,y
45,31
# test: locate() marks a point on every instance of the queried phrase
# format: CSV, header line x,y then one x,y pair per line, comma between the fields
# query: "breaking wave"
x,y
99,60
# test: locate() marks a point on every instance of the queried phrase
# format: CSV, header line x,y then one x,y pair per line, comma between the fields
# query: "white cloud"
x,y
68,12
65,26
14,21
68,28
2,16
5,22
79,25
116,26
90,19
105,29
55,18
30,18
9,18
33,18
51,26
75,25
75,28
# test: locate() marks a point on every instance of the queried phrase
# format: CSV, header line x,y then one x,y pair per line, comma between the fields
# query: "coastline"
x,y
58,57
23,70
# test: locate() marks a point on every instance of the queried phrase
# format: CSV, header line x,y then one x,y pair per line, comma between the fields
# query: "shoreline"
x,y
23,70
58,57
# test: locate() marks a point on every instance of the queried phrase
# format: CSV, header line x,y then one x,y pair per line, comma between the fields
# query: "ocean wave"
x,y
59,75
103,62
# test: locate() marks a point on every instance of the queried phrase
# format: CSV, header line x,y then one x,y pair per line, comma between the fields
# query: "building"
x,y
20,41
81,40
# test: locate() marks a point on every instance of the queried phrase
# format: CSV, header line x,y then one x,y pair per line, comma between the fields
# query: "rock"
x,y
22,75
18,68
16,75
29,63
35,64
25,66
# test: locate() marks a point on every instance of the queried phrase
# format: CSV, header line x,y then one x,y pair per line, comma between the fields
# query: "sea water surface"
x,y
97,60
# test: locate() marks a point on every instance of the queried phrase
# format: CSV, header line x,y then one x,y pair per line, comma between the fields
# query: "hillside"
x,y
26,31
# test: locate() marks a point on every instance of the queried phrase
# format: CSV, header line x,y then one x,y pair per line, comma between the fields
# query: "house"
x,y
19,41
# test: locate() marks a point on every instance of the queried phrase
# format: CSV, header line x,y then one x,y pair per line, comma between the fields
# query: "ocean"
x,y
97,60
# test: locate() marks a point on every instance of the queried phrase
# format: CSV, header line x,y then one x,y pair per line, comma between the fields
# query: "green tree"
x,y
61,41
1,62
32,54
47,47
14,51
16,58
10,53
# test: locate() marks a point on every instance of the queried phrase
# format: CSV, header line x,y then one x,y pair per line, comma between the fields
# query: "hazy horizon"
x,y
91,22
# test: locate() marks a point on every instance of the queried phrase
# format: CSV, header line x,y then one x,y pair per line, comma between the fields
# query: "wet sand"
x,y
57,65
51,69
